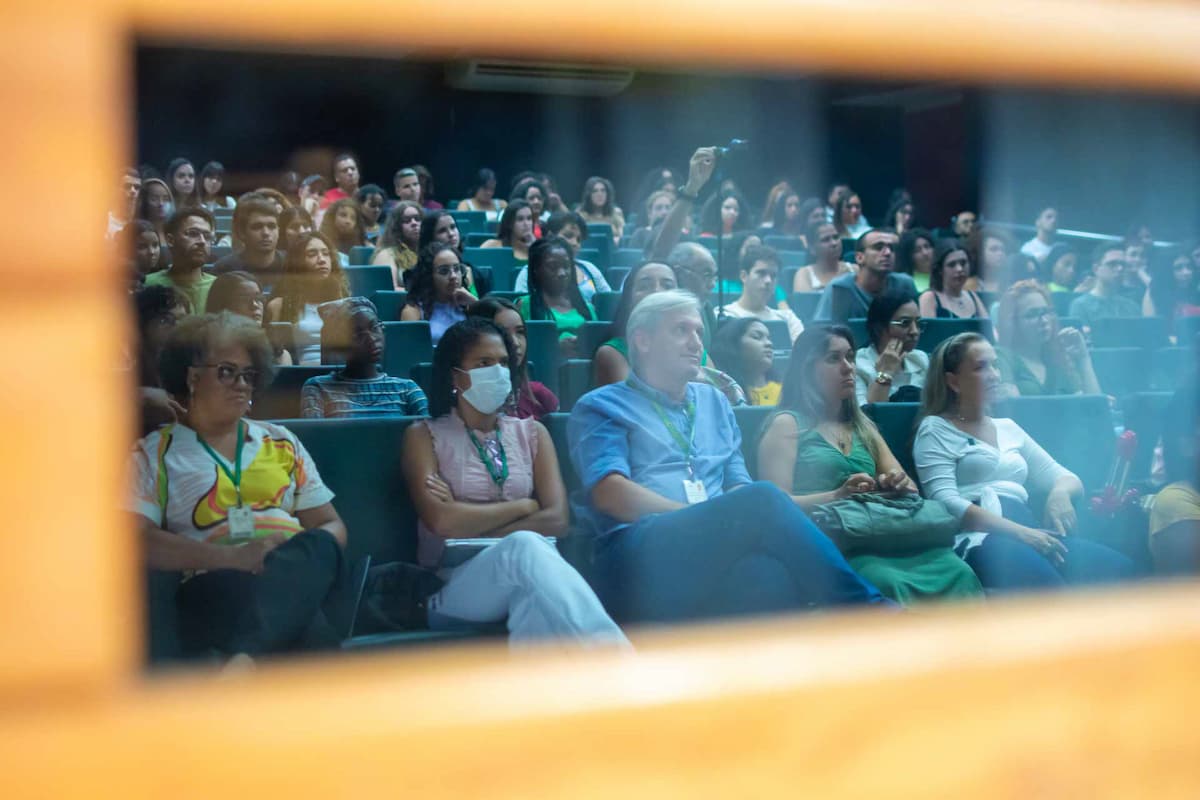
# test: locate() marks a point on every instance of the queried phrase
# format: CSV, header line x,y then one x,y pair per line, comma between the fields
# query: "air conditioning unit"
x,y
538,78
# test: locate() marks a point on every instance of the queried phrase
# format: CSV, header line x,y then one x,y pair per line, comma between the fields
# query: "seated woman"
x,y
900,214
599,205
1174,291
438,292
353,336
399,241
371,200
533,192
141,245
743,347
789,217
312,275
474,472
570,227
532,399
553,293
985,470
294,223
914,256
759,275
988,251
158,310
655,210
344,227
1175,514
948,296
820,448
237,505
515,231
827,264
1035,357
210,187
890,368
482,196
1058,269
440,226
725,215
240,293
848,215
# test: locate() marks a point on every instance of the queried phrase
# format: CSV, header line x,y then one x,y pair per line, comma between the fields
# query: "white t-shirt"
x,y
179,487
795,326
1036,248
308,336
960,470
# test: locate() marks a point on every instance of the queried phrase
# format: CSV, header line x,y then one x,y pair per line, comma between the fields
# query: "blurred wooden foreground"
x,y
1087,697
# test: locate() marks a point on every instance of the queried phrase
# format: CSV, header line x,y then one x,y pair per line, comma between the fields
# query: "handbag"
x,y
396,598
886,523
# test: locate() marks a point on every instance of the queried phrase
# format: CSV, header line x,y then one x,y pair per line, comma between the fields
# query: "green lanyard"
x,y
689,412
500,477
236,476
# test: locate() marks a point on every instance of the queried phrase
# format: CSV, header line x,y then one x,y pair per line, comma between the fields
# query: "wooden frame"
x,y
1087,696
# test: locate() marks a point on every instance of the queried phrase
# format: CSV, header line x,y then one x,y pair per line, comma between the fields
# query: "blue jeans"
x,y
751,551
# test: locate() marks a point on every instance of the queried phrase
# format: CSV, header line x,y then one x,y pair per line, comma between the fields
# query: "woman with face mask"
x,y
490,501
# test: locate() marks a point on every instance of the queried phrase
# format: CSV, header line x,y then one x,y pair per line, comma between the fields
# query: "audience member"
x,y
985,469
211,187
825,251
533,193
1046,227
351,335
947,296
774,196
900,216
659,458
407,184
743,347
657,206
257,537
428,191
440,226
724,215
400,241
599,205
820,448
371,199
1175,512
294,223
531,398
890,367
1104,299
1058,268
849,296
240,293
312,275
515,231
610,363
476,473
438,290
158,310
156,205
181,177
1173,291
696,272
759,275
1135,277
256,229
289,186
988,251
278,198
964,223
570,227
345,176
789,218
140,241
482,196
343,225
659,179
126,208
848,217
1035,357
189,235
914,257
554,294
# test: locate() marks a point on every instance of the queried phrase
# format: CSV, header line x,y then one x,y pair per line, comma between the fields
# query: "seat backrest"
x,y
478,238
541,337
606,304
281,400
361,255
365,281
750,420
499,259
574,381
422,373
1121,370
626,257
1173,366
405,344
556,426
938,330
1145,413
858,328
1076,430
359,459
1148,332
1186,330
597,230
1062,302
804,304
469,222
781,337
792,259
389,303
616,277
596,251
895,422
784,244
282,336
593,334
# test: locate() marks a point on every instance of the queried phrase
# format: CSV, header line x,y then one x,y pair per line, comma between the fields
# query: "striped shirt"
x,y
336,396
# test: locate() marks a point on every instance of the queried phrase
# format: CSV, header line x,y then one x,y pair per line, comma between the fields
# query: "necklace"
x,y
840,436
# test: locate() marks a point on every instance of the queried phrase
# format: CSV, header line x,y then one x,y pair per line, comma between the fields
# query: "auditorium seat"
x,y
388,303
793,244
422,373
895,423
593,334
1143,414
574,381
499,259
362,255
478,238
858,328
365,281
1077,430
1186,330
510,296
750,420
848,246
794,259
606,303
1172,366
598,229
804,304
781,337
405,344
616,277
1147,332
281,399
626,257
1121,370
542,349
938,330
1062,302
469,222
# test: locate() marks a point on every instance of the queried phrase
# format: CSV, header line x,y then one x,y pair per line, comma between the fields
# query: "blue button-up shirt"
x,y
616,429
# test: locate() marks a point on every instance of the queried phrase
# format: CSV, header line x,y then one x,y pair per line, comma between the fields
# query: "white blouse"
x,y
960,470
912,373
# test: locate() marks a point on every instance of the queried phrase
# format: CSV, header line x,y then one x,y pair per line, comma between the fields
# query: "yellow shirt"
x,y
1177,502
765,395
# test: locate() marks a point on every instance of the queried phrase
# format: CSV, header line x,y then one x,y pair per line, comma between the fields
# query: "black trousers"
x,y
284,608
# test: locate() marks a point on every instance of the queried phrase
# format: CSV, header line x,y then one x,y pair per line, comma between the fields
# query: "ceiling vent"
x,y
536,78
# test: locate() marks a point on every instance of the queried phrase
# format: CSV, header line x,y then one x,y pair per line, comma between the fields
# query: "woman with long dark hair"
x,y
531,398
312,275
438,290
515,231
725,214
1174,291
210,187
553,292
400,241
948,297
343,225
181,177
914,256
482,196
599,204
744,350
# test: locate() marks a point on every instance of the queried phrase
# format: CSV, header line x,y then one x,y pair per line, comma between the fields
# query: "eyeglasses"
x,y
447,271
908,322
228,374
197,233
1037,314
704,275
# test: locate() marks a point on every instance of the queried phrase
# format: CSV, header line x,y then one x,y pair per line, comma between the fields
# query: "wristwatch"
x,y
883,378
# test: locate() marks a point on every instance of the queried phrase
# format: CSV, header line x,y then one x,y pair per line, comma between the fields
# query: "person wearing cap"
x,y
351,334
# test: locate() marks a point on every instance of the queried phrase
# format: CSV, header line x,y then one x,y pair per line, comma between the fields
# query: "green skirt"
x,y
935,574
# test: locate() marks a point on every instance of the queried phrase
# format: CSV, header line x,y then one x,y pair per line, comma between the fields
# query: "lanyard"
x,y
500,477
689,412
235,477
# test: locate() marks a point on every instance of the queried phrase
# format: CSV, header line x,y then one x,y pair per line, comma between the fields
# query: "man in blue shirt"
x,y
849,296
682,531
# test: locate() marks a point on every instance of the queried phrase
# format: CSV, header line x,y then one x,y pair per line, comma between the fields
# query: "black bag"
x,y
396,597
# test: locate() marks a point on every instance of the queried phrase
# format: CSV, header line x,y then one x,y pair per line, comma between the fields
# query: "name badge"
x,y
241,522
694,492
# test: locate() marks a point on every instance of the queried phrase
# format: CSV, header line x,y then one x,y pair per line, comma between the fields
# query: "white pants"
x,y
524,579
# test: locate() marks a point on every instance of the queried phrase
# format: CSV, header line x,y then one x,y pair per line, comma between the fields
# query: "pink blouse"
x,y
460,466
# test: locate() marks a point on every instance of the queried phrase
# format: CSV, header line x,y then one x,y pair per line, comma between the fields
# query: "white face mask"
x,y
490,388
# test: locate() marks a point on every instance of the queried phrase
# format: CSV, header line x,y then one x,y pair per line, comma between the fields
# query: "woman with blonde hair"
x,y
400,240
1035,357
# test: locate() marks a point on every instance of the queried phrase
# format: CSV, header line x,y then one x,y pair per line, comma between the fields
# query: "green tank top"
x,y
821,467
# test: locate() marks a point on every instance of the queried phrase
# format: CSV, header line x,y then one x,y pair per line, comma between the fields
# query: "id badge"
x,y
694,492
241,522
